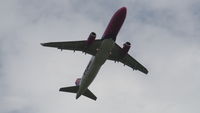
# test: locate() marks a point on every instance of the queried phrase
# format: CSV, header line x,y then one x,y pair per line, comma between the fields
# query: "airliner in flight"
x,y
101,50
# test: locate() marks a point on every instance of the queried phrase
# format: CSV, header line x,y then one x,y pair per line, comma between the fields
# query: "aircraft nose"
x,y
121,12
123,9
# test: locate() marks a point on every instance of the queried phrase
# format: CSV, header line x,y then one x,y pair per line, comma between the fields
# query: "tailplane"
x,y
89,94
74,89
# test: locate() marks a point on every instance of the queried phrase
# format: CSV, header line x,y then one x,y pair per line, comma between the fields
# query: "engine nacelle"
x,y
126,47
91,38
78,81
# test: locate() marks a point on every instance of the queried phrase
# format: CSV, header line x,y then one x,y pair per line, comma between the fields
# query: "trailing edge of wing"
x,y
131,62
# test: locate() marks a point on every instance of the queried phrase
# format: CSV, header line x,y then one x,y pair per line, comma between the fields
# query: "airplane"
x,y
101,50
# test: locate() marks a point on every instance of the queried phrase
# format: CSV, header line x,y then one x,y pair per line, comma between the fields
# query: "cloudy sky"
x,y
164,35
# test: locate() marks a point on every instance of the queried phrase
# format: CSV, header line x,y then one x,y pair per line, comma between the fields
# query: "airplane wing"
x,y
75,46
126,59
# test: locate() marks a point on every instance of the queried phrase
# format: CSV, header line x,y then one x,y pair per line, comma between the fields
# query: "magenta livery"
x,y
115,24
101,50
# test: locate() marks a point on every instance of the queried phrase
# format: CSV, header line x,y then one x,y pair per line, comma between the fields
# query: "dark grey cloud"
x,y
164,37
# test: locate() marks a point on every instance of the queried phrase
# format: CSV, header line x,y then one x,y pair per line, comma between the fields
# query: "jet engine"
x,y
91,38
126,47
78,81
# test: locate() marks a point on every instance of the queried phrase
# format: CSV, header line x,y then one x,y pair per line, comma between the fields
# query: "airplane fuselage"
x,y
95,64
104,51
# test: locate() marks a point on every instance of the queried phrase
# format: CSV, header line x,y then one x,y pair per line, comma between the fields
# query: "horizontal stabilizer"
x,y
89,94
74,89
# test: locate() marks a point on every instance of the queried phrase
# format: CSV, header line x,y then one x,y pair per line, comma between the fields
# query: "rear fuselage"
x,y
95,64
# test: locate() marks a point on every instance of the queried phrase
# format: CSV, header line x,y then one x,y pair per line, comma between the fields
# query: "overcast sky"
x,y
165,37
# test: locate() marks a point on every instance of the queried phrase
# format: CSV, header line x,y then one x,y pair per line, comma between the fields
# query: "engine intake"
x,y
91,38
126,47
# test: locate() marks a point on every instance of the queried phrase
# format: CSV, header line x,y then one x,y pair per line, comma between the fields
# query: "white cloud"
x,y
164,35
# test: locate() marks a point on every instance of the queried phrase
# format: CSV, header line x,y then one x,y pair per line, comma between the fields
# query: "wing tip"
x,y
48,44
61,89
145,71
43,44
